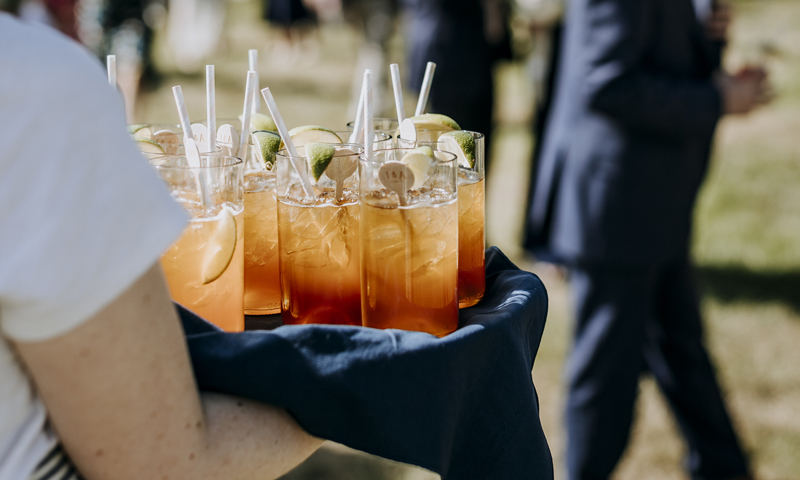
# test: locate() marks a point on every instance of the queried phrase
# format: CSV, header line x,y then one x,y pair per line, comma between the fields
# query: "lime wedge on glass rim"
x,y
221,245
147,145
434,121
260,121
140,130
411,127
419,161
461,143
302,136
267,145
319,156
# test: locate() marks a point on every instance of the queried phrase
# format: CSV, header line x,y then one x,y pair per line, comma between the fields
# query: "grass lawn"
x,y
746,245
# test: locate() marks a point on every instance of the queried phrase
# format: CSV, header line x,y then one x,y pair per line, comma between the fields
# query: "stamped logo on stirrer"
x,y
200,134
342,166
408,130
398,178
168,140
192,152
228,139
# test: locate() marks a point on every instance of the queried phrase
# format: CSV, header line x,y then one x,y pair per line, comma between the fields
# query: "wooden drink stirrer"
x,y
342,166
398,178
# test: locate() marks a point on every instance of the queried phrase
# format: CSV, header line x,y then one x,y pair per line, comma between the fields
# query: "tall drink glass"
x,y
471,220
471,225
262,284
204,267
319,246
409,247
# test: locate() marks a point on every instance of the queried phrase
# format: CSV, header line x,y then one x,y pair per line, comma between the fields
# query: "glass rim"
x,y
376,132
352,123
224,120
475,135
408,149
154,156
284,152
236,161
154,126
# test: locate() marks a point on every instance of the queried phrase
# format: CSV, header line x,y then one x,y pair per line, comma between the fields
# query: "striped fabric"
x,y
56,466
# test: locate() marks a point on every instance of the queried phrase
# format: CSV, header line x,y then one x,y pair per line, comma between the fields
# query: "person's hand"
x,y
744,90
717,24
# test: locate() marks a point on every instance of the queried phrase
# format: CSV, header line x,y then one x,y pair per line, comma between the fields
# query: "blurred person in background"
x,y
375,19
638,96
466,39
118,27
95,377
194,30
59,14
296,21
123,28
545,20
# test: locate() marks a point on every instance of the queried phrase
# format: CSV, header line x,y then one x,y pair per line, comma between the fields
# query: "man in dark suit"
x,y
638,97
465,38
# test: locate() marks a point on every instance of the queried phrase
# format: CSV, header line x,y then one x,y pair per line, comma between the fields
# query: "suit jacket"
x,y
627,142
451,34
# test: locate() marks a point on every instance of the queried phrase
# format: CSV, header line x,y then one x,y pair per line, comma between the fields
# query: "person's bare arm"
x,y
121,394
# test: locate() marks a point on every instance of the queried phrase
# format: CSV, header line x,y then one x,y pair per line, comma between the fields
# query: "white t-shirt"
x,y
82,214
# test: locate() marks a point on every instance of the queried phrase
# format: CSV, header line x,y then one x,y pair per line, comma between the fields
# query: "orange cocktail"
x,y
409,243
471,205
218,300
319,248
471,249
262,284
471,221
204,267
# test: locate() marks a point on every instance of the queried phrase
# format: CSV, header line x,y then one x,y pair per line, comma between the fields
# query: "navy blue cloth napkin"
x,y
463,406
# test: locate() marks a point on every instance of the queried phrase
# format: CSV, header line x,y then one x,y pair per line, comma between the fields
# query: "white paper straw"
x,y
211,109
252,56
368,115
287,140
426,88
247,110
190,148
398,93
111,66
358,126
186,125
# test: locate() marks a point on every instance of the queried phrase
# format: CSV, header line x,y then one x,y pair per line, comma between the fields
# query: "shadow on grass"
x,y
729,284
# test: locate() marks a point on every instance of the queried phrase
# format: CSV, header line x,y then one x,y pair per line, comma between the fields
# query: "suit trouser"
x,y
630,320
